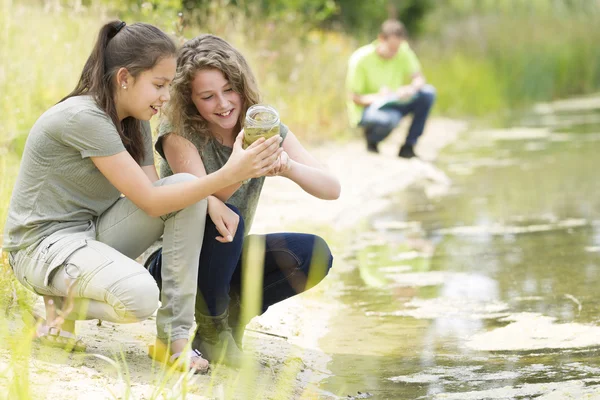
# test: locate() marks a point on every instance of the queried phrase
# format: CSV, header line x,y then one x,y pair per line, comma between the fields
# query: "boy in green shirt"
x,y
385,83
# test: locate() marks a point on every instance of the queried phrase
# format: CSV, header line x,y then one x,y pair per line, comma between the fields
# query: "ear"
x,y
124,78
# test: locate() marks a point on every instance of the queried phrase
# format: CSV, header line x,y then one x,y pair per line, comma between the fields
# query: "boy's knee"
x,y
383,128
428,93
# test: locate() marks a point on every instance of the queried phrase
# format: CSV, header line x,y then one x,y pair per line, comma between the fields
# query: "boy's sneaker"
x,y
372,147
407,151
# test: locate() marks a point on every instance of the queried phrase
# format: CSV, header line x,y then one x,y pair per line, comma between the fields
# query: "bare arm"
x,y
131,180
183,156
365,99
417,82
150,171
407,91
307,172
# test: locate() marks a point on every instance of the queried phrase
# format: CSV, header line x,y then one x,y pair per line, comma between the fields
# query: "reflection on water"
x,y
491,290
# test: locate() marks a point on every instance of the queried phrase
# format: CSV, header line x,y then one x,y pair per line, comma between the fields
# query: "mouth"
x,y
154,109
225,114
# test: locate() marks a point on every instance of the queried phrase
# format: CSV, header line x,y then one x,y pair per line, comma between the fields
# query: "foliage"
x,y
487,56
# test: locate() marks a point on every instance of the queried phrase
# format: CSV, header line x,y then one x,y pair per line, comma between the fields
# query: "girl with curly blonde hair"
x,y
88,201
212,90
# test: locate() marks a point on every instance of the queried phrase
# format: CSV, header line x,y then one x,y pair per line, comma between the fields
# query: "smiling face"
x,y
144,95
216,101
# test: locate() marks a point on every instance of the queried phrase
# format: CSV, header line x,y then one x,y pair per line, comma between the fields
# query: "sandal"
x,y
193,359
54,337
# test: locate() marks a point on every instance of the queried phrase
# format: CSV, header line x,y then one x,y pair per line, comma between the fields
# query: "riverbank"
x,y
285,339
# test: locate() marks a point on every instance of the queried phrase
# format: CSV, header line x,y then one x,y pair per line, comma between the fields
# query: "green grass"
x,y
482,61
495,58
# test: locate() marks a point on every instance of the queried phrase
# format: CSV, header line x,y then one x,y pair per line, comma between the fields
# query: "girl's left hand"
x,y
282,165
226,221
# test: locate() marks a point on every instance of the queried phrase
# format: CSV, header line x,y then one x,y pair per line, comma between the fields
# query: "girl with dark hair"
x,y
212,90
88,200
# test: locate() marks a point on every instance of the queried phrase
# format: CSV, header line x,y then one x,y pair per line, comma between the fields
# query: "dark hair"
x,y
137,47
393,27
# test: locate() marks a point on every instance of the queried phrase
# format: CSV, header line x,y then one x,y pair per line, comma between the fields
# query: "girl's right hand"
x,y
255,161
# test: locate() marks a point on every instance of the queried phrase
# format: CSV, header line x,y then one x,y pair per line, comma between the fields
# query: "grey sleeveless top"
x,y
214,155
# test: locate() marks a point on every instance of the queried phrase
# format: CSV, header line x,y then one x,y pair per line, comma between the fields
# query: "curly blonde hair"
x,y
202,53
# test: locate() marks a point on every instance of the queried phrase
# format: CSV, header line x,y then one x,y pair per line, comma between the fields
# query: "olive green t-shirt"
x,y
58,185
214,155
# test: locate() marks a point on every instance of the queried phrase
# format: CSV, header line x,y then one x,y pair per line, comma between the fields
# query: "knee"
x,y
324,252
427,94
177,178
140,300
322,259
195,212
380,120
198,208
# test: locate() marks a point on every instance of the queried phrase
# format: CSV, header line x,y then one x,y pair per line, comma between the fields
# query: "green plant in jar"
x,y
261,121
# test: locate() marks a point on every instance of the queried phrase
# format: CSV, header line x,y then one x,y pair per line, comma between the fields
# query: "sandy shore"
x,y
285,339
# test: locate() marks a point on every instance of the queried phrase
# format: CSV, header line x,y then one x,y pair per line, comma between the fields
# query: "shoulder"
x,y
361,54
83,110
167,137
405,50
165,127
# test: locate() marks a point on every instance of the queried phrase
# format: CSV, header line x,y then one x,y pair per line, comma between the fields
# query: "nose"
x,y
222,101
166,96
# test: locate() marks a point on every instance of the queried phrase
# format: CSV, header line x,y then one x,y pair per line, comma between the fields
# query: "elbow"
x,y
337,193
334,192
152,208
357,99
152,211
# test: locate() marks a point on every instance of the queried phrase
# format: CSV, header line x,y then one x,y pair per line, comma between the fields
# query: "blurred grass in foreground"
x,y
482,61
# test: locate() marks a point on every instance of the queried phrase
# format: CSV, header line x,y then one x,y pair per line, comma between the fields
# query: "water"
x,y
490,291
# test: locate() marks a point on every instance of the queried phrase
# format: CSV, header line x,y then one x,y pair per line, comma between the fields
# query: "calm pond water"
x,y
489,291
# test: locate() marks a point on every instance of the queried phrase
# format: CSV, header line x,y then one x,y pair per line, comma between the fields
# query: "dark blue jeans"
x,y
293,263
378,123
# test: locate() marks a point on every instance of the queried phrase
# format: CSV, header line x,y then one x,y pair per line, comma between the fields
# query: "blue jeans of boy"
x,y
290,259
378,123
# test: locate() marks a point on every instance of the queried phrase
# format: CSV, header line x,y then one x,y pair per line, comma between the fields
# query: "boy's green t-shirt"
x,y
368,73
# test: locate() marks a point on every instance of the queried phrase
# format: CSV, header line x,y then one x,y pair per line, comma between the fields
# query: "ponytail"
x,y
137,47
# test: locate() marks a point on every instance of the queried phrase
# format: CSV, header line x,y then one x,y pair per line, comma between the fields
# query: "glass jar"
x,y
261,121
